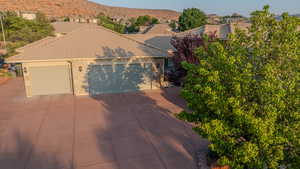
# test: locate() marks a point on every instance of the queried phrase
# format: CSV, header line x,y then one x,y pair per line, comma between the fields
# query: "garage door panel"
x,y
48,80
118,78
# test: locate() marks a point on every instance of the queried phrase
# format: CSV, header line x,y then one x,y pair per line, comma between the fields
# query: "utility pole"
x,y
3,31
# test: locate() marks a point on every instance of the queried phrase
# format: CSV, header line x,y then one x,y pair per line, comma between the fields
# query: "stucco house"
x,y
90,60
27,15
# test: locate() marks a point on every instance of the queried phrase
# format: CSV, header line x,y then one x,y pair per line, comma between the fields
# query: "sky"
x,y
220,7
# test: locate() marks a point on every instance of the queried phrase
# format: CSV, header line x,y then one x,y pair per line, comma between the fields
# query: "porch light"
x,y
80,68
25,70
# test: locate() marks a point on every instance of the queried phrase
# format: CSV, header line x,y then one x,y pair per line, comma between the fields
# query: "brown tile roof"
x,y
63,27
198,31
160,29
89,41
161,41
221,31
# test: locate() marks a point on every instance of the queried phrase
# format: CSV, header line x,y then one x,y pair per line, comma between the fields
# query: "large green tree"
x,y
191,18
245,94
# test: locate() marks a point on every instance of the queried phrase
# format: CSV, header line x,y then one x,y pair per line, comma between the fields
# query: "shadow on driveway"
x,y
110,131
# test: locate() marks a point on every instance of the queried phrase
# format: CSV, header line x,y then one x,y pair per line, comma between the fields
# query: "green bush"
x,y
191,18
144,20
245,95
154,21
67,19
132,28
108,23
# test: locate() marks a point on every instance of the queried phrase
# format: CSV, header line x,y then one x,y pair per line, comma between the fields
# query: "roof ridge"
x,y
128,38
40,42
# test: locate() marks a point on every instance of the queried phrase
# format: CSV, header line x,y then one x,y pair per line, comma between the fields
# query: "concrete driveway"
x,y
117,131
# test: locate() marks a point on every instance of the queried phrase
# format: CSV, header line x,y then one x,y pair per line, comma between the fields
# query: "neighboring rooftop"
x,y
221,31
66,27
88,41
160,29
162,41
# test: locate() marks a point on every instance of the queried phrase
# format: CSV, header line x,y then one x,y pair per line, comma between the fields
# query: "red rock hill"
x,y
61,8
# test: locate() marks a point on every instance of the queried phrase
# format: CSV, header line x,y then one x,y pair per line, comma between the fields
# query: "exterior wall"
x,y
81,69
27,77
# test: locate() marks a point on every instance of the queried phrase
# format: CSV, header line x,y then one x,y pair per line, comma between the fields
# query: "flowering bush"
x,y
185,51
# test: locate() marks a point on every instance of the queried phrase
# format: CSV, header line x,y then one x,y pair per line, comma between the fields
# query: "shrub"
x,y
154,21
191,18
108,23
245,95
132,28
67,19
144,20
185,47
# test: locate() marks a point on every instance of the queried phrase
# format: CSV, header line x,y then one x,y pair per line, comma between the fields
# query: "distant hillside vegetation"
x,y
84,8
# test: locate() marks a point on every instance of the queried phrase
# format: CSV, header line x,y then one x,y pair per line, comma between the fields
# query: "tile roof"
x,y
88,41
160,29
66,27
161,41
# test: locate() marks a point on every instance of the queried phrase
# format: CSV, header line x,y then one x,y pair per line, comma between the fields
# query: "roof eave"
x,y
80,59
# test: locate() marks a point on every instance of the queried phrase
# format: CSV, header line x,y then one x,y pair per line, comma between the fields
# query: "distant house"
x,y
75,19
221,31
213,19
161,39
99,62
94,20
234,18
27,15
84,20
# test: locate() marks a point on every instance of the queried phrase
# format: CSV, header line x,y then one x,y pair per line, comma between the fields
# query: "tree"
x,y
20,31
191,18
146,21
154,21
185,47
143,20
245,94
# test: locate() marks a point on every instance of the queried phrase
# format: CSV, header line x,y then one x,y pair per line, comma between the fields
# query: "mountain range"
x,y
83,8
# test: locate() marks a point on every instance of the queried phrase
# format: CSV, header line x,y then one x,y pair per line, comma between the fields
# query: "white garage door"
x,y
119,78
50,80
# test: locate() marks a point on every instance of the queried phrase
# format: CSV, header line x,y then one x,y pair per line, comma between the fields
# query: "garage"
x,y
119,78
90,61
50,80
